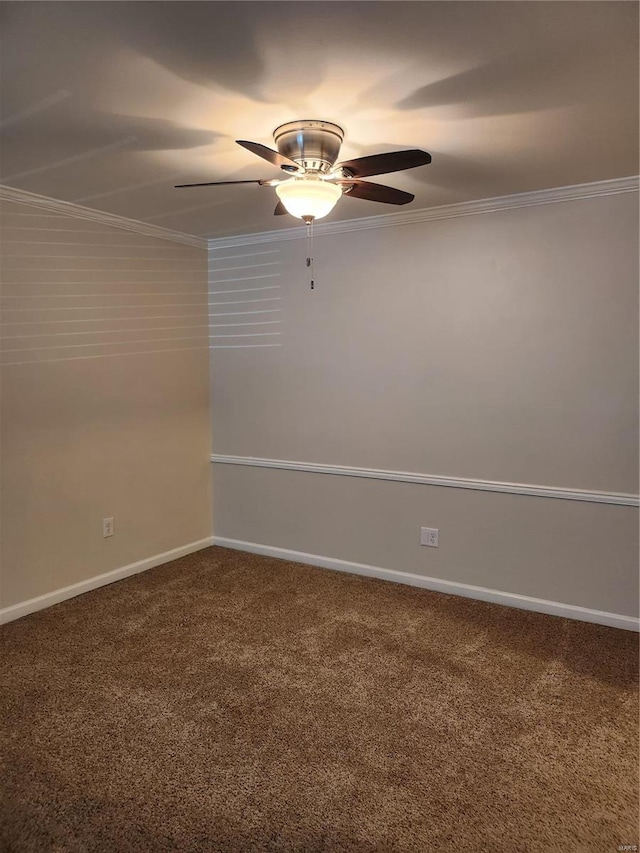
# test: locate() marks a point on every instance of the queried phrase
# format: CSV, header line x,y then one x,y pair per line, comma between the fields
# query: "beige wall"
x,y
500,346
105,399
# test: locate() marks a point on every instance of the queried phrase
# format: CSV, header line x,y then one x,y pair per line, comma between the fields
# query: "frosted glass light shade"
x,y
304,197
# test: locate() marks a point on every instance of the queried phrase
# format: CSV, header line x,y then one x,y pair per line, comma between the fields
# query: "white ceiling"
x,y
108,104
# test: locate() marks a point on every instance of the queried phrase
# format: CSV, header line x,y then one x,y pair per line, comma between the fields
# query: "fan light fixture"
x,y
307,150
308,197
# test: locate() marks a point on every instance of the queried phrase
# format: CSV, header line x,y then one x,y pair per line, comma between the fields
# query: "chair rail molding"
x,y
539,491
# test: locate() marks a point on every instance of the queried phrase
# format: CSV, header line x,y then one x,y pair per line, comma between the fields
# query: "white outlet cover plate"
x,y
429,536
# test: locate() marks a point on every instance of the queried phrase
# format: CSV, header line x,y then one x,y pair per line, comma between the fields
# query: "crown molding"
x,y
558,492
405,217
596,189
68,208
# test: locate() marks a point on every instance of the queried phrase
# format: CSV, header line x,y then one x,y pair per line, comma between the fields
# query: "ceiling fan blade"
x,y
376,192
381,164
220,184
280,209
269,154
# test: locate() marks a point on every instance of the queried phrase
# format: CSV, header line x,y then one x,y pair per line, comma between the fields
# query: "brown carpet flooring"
x,y
229,702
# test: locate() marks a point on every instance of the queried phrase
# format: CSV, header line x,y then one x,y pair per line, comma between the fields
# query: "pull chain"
x,y
309,222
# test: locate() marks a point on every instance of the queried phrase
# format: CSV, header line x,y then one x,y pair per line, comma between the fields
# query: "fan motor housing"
x,y
312,143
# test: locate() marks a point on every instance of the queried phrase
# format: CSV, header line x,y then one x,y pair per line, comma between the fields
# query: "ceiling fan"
x,y
307,151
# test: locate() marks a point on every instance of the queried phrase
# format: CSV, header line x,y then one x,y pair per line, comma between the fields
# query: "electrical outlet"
x,y
429,536
107,527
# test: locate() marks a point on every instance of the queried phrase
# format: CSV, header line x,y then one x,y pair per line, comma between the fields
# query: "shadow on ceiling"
x,y
520,83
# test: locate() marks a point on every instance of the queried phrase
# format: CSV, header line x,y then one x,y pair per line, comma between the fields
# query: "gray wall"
x,y
105,399
500,346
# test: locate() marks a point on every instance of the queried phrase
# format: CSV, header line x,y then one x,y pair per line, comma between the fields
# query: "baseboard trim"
x,y
16,611
509,599
614,498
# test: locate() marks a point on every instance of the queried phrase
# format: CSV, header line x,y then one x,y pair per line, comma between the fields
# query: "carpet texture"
x,y
229,702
